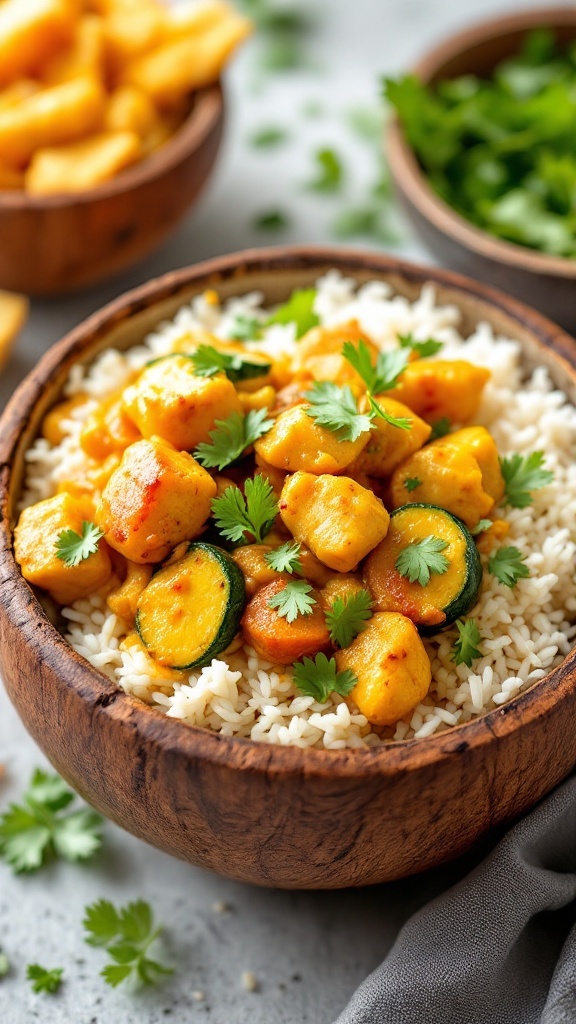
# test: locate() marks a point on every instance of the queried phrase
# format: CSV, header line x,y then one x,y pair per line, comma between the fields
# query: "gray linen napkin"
x,y
499,947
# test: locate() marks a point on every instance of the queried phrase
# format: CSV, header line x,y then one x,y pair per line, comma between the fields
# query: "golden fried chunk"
x,y
81,165
339,520
297,442
13,313
35,537
440,388
459,472
168,400
51,117
156,498
30,32
391,665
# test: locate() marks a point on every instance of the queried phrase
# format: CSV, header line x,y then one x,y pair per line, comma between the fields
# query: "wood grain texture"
x,y
57,244
276,816
547,282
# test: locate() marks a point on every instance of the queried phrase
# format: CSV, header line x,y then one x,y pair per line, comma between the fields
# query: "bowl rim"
x,y
206,110
21,606
411,179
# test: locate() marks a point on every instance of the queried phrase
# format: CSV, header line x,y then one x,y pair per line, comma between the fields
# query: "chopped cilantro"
x,y
417,561
320,678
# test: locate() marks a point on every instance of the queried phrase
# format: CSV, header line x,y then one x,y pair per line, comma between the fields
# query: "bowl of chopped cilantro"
x,y
483,155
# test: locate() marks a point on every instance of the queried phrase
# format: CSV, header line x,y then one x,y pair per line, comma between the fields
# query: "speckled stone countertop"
x,y
308,951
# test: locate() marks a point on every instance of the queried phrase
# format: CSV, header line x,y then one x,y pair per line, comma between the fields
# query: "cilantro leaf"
x,y
72,548
293,600
246,328
507,565
127,935
345,619
481,526
384,375
209,360
252,513
329,176
523,474
271,220
417,561
268,138
285,558
43,979
298,310
440,428
411,483
421,348
34,830
466,647
319,678
231,438
334,407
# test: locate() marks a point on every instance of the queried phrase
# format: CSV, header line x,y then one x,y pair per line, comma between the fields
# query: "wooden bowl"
x,y
546,282
276,816
51,245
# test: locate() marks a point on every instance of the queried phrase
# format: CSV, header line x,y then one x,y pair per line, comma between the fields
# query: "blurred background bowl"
x,y
58,244
546,282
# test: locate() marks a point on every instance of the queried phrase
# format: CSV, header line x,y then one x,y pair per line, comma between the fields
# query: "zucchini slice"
x,y
447,595
191,610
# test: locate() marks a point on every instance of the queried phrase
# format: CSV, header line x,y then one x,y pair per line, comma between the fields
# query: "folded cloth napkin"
x,y
499,947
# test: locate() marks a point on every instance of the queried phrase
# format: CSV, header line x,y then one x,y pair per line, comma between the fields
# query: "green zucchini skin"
x,y
225,627
464,601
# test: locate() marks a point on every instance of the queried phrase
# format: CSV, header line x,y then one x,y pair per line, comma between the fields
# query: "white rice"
x,y
526,630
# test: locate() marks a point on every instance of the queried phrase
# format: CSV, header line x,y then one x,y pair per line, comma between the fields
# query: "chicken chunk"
x,y
296,442
439,388
388,446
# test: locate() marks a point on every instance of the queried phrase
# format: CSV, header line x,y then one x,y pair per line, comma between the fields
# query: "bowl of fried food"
x,y
111,115
481,154
287,550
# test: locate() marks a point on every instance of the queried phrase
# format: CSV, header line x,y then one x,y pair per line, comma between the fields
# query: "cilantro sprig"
x,y
241,517
127,935
481,526
209,361
36,829
466,647
44,980
73,548
320,678
329,172
379,377
286,558
293,600
522,475
417,561
333,406
507,565
245,328
299,309
231,437
422,349
347,618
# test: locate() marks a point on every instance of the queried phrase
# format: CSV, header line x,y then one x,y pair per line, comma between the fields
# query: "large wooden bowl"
x,y
547,282
51,245
277,816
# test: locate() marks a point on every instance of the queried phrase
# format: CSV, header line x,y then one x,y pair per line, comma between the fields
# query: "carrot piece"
x,y
276,639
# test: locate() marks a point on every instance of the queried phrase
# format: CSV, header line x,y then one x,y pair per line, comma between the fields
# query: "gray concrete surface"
x,y
308,950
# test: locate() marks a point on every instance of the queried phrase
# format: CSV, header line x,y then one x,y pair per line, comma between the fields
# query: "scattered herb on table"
x,y
44,980
507,565
367,123
4,965
231,437
73,548
127,934
283,32
440,428
286,558
347,618
334,406
481,526
209,360
419,560
243,517
500,150
329,172
34,830
379,377
320,678
293,600
268,138
466,647
523,474
365,221
299,309
411,483
271,220
422,349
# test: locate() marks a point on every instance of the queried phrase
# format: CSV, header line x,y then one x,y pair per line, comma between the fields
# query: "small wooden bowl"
x,y
53,245
276,816
546,282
